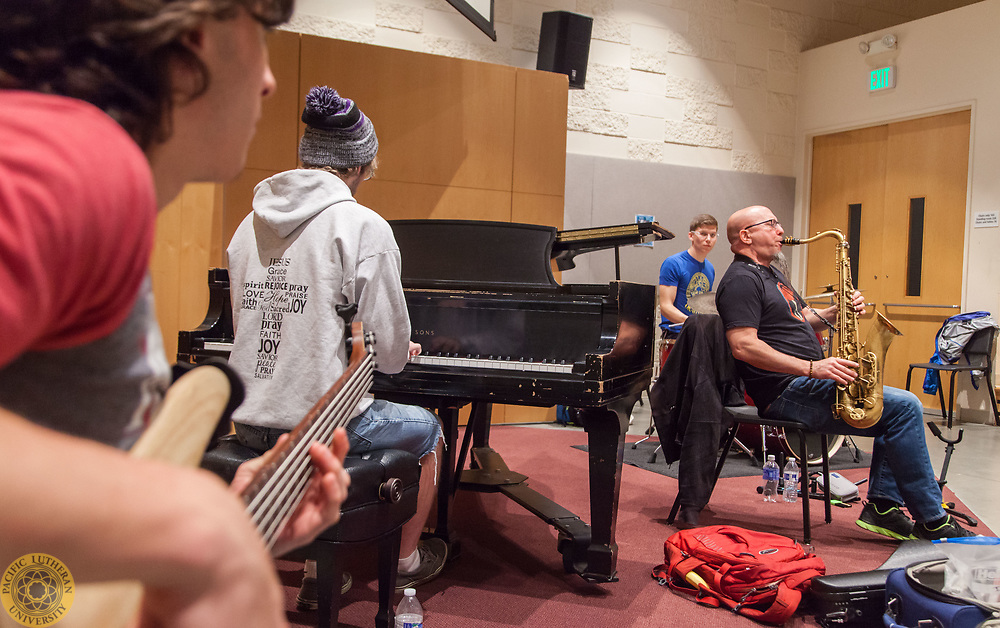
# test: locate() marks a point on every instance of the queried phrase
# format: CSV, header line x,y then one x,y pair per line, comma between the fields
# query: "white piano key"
x,y
501,364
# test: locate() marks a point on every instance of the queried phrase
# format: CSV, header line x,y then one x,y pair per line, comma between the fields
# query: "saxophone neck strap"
x,y
766,272
822,318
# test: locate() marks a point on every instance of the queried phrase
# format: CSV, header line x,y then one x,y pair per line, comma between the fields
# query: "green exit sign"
x,y
882,78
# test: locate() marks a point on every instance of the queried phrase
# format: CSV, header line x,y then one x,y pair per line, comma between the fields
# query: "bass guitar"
x,y
180,434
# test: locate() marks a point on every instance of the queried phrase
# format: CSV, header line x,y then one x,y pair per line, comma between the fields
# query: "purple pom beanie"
x,y
337,133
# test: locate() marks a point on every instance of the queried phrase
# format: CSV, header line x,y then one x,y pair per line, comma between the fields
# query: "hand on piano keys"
x,y
415,350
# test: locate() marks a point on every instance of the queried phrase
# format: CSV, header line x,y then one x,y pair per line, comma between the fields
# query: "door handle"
x,y
951,307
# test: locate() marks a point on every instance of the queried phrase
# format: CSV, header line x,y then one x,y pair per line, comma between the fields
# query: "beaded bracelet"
x,y
810,368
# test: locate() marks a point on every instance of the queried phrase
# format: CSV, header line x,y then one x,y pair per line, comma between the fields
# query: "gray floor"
x,y
971,472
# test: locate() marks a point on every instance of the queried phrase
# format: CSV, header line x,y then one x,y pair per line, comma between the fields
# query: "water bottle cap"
x,y
770,456
409,591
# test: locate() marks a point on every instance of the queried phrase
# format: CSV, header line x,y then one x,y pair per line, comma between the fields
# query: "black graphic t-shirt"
x,y
751,295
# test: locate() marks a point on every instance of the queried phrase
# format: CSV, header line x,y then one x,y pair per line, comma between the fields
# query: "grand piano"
x,y
496,327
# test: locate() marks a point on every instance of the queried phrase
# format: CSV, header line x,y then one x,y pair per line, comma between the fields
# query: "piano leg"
x,y
589,551
480,421
447,479
477,433
605,429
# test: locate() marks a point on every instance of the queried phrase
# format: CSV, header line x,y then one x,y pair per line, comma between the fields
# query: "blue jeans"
x,y
901,468
387,425
384,425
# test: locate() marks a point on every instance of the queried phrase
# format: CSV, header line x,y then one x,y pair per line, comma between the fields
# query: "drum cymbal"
x,y
703,303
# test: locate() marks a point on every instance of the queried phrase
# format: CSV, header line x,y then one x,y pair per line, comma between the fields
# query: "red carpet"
x,y
510,574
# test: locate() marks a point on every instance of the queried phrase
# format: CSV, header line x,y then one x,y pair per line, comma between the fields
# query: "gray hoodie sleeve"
x,y
381,305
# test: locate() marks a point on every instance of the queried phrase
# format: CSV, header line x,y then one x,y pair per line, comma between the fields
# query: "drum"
x,y
666,344
764,439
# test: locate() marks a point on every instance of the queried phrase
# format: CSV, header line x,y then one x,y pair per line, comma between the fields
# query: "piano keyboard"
x,y
508,364
483,363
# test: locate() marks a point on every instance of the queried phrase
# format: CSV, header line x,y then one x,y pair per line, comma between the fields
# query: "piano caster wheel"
x,y
565,544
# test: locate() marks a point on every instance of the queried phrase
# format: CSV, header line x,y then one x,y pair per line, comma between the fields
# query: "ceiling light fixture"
x,y
877,46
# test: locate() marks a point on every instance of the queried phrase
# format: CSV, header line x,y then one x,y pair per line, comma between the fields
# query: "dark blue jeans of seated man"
x,y
901,468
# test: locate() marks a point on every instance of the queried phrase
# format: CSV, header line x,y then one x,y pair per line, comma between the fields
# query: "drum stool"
x,y
382,497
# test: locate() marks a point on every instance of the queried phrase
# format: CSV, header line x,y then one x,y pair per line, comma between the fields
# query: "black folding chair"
x,y
978,353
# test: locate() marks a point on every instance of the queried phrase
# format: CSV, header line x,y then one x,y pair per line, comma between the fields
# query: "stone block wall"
x,y
704,83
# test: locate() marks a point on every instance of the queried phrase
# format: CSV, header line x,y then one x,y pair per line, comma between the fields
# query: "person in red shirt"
x,y
107,109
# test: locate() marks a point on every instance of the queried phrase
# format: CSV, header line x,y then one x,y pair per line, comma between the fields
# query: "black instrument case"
x,y
858,599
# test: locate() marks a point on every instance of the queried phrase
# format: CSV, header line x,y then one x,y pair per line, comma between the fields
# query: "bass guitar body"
x,y
179,435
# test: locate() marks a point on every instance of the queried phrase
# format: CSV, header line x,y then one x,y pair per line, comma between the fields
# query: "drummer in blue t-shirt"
x,y
687,274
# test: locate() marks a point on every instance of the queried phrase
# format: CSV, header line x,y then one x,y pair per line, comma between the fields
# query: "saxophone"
x,y
859,404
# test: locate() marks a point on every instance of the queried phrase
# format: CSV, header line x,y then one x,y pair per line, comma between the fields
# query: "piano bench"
x,y
382,497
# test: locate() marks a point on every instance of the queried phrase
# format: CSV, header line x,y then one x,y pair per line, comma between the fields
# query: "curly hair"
x,y
114,54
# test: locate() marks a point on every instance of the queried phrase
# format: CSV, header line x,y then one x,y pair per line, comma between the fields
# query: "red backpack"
x,y
756,574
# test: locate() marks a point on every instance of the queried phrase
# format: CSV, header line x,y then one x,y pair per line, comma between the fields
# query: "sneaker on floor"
x,y
947,530
891,522
433,555
308,597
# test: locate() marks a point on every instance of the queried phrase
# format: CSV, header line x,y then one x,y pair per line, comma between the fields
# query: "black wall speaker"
x,y
564,44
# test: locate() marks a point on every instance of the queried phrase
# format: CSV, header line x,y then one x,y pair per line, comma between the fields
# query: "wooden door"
x,y
899,191
848,180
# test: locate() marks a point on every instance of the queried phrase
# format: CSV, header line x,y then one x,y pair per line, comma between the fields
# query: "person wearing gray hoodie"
x,y
307,247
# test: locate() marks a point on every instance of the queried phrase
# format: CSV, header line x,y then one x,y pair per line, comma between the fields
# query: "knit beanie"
x,y
337,133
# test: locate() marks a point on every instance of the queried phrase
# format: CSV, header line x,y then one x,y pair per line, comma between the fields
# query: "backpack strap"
x,y
786,600
785,603
786,596
795,580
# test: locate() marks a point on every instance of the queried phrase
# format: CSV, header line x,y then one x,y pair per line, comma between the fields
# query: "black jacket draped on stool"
x,y
697,380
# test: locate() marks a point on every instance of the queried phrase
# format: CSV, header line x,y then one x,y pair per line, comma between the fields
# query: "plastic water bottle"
x,y
409,613
770,479
791,480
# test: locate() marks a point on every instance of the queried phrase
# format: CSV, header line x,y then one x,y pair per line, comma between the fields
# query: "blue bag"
x,y
914,598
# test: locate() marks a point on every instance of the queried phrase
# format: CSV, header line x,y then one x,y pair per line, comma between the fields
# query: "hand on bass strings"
x,y
327,490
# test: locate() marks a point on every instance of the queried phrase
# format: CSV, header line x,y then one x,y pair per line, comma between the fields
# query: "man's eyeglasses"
x,y
702,234
772,223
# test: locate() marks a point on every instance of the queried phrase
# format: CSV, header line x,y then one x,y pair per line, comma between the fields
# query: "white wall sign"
x,y
987,219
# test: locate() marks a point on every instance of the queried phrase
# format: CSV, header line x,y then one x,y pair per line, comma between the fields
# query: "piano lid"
x,y
573,242
470,254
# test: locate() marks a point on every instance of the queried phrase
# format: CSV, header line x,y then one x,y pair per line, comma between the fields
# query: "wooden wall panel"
x,y
439,120
537,209
540,134
275,145
181,257
523,414
395,200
